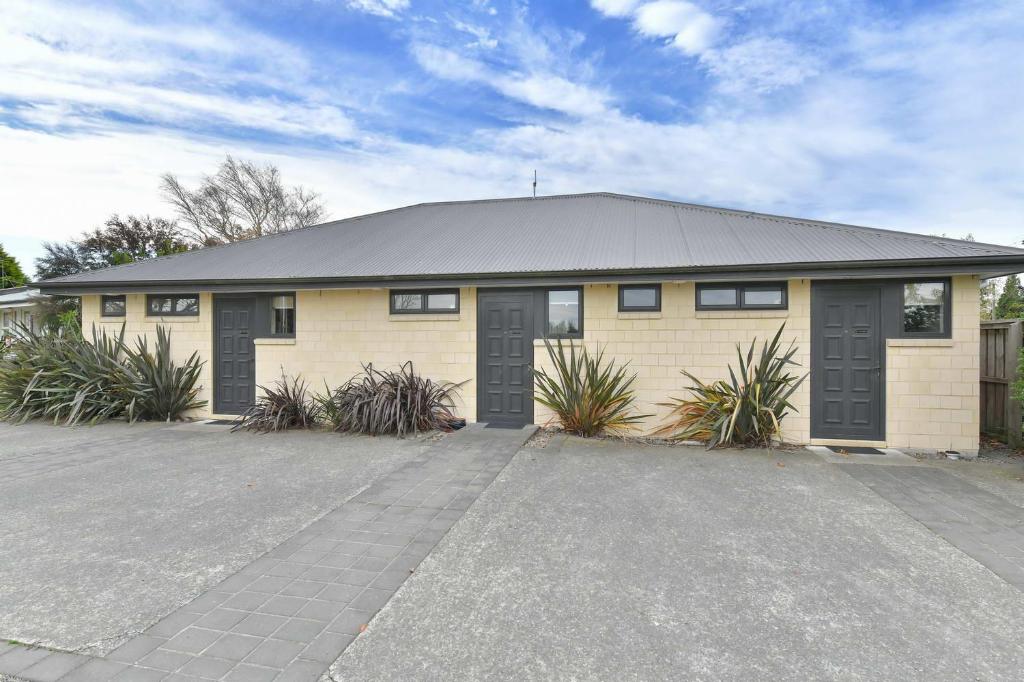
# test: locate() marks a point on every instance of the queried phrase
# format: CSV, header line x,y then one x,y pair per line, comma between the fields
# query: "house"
x,y
19,307
887,322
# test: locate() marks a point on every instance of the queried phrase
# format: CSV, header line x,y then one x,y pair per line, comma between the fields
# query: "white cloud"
x,y
690,28
448,64
760,65
381,8
481,33
554,92
86,62
542,90
615,8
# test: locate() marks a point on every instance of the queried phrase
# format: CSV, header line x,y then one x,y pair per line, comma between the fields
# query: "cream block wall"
x,y
931,389
338,330
659,344
188,334
932,385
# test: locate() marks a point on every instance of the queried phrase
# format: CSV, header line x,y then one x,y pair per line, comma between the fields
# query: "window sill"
x,y
739,313
912,343
275,341
172,319
639,315
424,317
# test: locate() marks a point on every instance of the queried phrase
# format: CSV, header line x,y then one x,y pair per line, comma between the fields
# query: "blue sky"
x,y
906,115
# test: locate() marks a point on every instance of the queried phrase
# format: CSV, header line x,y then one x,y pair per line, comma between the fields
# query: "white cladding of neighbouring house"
x,y
19,307
887,323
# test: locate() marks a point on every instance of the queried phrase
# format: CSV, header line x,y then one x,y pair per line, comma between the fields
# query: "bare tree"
x,y
240,201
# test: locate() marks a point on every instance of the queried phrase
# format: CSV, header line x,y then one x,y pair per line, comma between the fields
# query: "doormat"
x,y
492,425
853,450
220,422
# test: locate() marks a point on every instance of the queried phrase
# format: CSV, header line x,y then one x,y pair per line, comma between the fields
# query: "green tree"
x,y
1011,302
989,292
119,241
11,274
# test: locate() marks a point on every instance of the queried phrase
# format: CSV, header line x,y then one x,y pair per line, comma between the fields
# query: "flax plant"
x,y
748,409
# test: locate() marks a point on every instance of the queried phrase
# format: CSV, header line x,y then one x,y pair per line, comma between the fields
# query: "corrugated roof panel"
x,y
585,232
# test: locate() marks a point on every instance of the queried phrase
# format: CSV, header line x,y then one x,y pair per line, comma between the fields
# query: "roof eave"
x,y
986,266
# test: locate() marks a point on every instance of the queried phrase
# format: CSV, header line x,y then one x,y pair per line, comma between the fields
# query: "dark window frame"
x,y
424,295
947,309
740,288
547,312
174,304
623,308
295,315
103,305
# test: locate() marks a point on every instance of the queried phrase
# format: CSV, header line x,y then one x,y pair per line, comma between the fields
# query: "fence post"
x,y
1013,408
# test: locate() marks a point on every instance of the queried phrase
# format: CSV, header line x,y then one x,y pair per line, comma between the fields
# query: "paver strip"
x,y
982,525
289,614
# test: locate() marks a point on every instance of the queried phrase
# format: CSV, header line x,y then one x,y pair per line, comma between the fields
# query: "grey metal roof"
x,y
577,233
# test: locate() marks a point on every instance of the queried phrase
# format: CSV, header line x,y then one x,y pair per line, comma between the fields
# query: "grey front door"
x,y
504,356
235,373
847,362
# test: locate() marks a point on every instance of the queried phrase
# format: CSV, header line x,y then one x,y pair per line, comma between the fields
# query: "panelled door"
x,y
235,373
847,362
505,353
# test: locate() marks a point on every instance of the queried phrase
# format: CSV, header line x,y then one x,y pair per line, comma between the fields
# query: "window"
x,y
425,302
178,305
926,309
112,306
282,315
564,318
764,296
639,297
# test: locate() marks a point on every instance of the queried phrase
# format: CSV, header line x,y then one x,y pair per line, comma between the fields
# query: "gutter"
x,y
987,266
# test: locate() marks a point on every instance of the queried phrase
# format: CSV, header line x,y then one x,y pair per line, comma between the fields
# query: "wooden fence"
x,y
1000,348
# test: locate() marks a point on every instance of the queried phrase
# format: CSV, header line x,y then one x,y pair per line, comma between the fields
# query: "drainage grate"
x,y
854,450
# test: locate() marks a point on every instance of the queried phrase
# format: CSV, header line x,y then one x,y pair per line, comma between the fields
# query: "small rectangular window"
x,y
772,296
282,315
425,302
113,306
178,305
717,297
763,297
564,318
926,309
639,297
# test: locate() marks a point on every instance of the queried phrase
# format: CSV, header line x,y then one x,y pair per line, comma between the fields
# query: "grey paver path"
x,y
987,527
613,561
290,613
108,528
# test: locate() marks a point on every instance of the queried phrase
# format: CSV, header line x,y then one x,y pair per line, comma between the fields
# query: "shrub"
x,y
71,380
587,395
163,390
746,410
398,402
286,405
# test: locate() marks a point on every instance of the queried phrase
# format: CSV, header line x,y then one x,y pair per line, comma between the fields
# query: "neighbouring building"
x,y
19,307
887,323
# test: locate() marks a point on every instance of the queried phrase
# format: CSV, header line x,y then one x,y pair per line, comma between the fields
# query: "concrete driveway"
x,y
582,560
598,560
108,528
